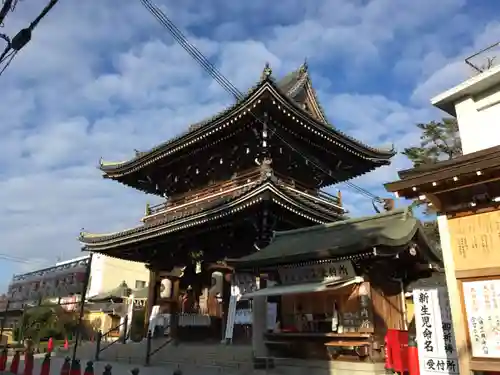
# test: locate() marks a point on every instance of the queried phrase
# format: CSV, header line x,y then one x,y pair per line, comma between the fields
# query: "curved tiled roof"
x,y
288,89
392,229
213,210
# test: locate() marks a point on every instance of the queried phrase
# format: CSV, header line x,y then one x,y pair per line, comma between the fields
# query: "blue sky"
x,y
102,78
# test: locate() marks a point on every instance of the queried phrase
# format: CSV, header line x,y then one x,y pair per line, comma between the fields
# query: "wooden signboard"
x,y
475,241
482,306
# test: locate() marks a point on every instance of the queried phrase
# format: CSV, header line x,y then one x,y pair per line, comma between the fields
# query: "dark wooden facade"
x,y
388,251
230,181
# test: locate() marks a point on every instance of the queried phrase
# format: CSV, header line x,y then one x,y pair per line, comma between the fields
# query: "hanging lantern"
x,y
166,288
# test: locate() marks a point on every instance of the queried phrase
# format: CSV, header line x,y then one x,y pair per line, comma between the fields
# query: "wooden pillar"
x,y
259,326
151,301
174,309
454,294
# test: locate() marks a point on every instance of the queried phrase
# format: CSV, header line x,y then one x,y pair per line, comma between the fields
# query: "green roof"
x,y
119,293
391,230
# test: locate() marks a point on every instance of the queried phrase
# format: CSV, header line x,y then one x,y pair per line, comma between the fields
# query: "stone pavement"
x,y
124,368
285,368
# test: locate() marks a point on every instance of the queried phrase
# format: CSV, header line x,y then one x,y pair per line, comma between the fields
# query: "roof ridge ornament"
x,y
266,72
304,67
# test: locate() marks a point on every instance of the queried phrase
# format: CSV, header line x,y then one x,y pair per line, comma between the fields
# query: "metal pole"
x,y
4,319
82,308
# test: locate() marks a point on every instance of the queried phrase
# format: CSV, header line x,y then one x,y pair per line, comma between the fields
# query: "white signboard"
x,y
482,305
331,271
435,337
231,317
243,316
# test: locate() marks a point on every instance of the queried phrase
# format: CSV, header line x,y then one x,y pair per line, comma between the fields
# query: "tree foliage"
x,y
438,141
42,322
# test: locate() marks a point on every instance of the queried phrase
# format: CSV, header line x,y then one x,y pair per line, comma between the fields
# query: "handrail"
x,y
186,197
100,336
309,190
196,196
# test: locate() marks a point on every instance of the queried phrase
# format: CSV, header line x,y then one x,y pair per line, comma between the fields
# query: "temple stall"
x,y
197,303
338,287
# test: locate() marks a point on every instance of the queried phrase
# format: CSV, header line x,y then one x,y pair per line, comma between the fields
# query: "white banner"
x,y
482,304
435,337
231,316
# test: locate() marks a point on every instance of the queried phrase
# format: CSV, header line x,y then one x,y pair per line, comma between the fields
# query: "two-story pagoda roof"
x,y
231,180
224,205
302,118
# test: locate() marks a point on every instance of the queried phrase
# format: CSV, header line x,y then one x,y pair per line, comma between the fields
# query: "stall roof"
x,y
343,239
281,290
119,293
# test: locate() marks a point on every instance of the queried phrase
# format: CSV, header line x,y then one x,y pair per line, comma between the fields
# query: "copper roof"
x,y
283,195
298,86
346,238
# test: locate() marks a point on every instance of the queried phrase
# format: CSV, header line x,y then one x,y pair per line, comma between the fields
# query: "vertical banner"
x,y
231,315
435,337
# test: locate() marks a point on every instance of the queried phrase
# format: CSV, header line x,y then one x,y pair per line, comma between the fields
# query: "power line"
x,y
14,259
23,37
8,5
230,88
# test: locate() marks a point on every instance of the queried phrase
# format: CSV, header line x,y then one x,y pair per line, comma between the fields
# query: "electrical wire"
x,y
14,259
230,88
23,37
10,57
7,6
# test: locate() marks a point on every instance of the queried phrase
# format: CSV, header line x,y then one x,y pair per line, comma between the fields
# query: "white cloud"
x,y
104,78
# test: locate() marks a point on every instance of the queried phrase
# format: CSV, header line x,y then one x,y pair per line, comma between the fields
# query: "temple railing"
x,y
231,187
215,190
316,193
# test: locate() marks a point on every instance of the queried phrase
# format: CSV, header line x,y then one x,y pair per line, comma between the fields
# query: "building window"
x,y
139,284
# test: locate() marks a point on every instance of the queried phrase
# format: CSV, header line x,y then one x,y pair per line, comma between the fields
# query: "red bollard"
x,y
107,370
75,368
66,344
45,370
3,360
29,361
65,366
89,369
14,366
387,353
50,345
413,364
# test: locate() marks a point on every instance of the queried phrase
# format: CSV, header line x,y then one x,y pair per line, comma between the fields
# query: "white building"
x,y
66,278
108,273
476,105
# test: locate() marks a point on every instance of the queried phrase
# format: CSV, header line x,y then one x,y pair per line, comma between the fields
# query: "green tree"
x,y
42,322
438,141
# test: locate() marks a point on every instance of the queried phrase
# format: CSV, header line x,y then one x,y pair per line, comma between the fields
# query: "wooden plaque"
x,y
475,241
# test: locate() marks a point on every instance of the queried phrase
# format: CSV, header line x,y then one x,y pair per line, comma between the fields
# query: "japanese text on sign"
x,y
435,337
482,305
330,271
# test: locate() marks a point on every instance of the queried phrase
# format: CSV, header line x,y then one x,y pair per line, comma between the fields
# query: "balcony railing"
x,y
231,187
485,59
216,191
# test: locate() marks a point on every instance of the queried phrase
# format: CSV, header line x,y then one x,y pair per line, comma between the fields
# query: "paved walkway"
x,y
123,368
